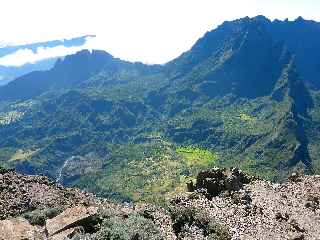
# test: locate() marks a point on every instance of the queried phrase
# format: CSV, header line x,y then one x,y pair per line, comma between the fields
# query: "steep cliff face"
x,y
245,61
296,34
290,132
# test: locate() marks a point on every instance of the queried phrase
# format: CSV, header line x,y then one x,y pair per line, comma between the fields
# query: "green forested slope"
x,y
137,132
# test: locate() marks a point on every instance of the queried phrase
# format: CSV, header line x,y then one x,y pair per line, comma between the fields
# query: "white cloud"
x,y
153,31
24,56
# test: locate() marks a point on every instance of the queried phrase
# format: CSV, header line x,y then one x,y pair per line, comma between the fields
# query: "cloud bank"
x,y
31,56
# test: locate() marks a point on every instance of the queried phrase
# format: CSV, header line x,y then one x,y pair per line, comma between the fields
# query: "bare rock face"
x,y
66,234
19,229
21,194
257,210
71,218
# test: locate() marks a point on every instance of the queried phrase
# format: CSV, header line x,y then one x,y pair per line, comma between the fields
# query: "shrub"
x,y
3,170
39,216
132,227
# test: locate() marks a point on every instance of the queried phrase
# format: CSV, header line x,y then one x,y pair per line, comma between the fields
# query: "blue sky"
x,y
151,31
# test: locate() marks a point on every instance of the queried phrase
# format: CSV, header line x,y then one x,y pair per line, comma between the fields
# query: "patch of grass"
x,y
196,156
22,154
246,117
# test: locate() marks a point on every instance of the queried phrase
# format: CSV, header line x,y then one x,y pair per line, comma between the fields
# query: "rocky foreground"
x,y
219,205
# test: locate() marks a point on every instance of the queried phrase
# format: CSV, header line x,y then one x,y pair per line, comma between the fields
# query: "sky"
x,y
150,31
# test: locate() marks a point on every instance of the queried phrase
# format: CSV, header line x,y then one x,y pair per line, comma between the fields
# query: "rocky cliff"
x,y
221,204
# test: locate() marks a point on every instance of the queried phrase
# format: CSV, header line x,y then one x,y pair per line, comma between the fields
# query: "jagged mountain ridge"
x,y
296,35
236,98
66,73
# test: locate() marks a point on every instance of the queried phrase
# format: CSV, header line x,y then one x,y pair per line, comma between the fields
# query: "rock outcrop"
x,y
248,208
19,228
34,208
21,194
222,204
216,181
72,218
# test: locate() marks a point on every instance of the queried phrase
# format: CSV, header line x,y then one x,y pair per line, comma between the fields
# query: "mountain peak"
x,y
300,19
38,56
67,72
84,55
238,57
261,18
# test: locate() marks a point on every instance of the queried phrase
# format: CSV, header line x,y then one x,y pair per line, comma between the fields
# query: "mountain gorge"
x,y
246,94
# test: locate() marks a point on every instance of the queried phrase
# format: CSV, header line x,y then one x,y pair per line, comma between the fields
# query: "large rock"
x,y
66,234
71,218
216,181
19,229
